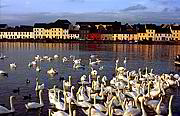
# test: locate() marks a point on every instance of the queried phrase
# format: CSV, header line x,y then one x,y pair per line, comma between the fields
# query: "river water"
x,y
158,57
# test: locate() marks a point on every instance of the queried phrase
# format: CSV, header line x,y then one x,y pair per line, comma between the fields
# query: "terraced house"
x,y
22,32
55,30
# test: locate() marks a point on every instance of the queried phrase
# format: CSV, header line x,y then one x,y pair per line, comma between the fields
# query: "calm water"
x,y
158,57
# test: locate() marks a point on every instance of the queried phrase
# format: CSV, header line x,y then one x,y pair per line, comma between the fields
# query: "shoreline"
x,y
91,41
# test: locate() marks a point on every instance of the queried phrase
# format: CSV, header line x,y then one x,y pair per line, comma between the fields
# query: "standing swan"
x,y
4,110
34,105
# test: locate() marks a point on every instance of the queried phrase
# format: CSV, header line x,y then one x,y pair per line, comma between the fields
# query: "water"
x,y
158,57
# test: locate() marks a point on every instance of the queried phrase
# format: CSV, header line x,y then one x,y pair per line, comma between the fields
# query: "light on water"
x,y
21,80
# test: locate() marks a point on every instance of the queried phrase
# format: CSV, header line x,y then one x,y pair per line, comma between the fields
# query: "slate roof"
x,y
150,26
163,30
175,27
3,25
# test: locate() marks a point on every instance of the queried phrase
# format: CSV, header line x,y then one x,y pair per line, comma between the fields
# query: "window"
x,y
152,31
177,34
151,34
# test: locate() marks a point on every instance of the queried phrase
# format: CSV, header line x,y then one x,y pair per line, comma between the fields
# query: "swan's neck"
x,y
72,92
170,105
70,113
94,99
158,107
40,98
65,100
89,111
58,97
70,80
142,108
11,105
89,79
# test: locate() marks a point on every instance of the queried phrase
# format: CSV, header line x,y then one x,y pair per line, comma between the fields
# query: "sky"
x,y
28,12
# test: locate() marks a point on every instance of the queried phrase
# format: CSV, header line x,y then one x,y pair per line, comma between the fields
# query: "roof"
x,y
163,30
98,23
150,26
125,32
57,24
17,29
40,25
3,25
175,27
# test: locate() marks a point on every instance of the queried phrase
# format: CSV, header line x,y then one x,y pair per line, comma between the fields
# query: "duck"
x,y
12,65
4,110
35,105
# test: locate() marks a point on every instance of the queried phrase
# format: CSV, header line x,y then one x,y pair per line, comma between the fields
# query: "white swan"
x,y
3,73
52,71
61,113
92,63
4,110
35,105
12,65
39,87
64,59
38,69
56,56
99,107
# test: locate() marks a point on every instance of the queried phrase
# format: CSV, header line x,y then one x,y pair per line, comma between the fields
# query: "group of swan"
x,y
129,93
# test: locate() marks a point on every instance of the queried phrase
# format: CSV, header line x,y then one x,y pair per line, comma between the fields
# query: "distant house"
x,y
150,31
55,30
17,33
141,33
73,34
175,30
162,34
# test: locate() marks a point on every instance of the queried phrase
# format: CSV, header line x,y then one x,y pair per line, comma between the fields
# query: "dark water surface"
x,y
158,57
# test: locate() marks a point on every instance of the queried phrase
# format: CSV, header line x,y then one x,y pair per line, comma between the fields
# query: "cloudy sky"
x,y
16,12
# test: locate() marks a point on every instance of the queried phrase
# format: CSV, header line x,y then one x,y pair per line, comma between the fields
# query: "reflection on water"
x,y
158,57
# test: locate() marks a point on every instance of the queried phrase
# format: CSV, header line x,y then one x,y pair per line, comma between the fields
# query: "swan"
x,y
68,83
60,105
56,56
94,112
35,105
38,69
4,110
64,59
92,63
61,113
71,95
49,59
3,73
52,71
99,107
104,79
39,87
37,57
12,65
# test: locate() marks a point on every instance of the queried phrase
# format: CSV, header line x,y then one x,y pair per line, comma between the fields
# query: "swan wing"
x,y
33,105
60,113
100,107
59,105
4,110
